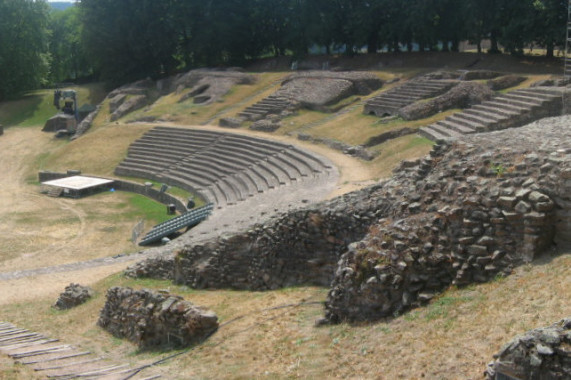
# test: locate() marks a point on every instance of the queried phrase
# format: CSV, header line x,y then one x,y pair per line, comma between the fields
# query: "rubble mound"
x,y
463,95
73,295
543,353
155,319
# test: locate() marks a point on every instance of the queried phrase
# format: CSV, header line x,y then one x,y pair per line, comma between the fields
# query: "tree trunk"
x,y
372,43
494,43
549,50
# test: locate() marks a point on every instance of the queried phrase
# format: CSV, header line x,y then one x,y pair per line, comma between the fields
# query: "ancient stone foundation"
x,y
543,353
155,319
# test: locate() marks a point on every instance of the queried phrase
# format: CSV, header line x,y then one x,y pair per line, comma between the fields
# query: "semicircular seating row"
x,y
224,168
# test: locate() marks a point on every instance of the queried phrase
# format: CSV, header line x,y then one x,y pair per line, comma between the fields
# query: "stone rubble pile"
x,y
73,295
155,319
543,353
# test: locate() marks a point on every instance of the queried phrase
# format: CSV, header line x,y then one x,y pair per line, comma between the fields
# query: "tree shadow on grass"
x,y
16,112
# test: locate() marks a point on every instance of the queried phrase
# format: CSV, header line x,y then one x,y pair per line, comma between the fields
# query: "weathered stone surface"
x,y
505,81
463,95
155,319
231,122
116,101
265,125
542,353
206,86
554,82
59,122
73,295
479,74
86,123
465,248
131,104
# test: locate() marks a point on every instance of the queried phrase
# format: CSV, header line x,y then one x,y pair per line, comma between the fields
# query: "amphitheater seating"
x,y
389,102
509,110
224,168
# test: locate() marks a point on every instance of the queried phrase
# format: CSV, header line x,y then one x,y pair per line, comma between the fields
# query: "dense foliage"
x,y
130,39
24,58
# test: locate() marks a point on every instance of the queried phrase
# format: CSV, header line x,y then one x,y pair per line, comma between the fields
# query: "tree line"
x,y
120,41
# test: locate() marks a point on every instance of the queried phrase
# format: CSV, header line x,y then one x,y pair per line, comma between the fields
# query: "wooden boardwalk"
x,y
52,359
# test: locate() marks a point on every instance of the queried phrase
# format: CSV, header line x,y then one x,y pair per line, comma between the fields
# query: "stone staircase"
x,y
510,110
389,102
273,104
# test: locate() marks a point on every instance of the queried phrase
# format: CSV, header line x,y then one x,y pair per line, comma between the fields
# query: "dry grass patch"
x,y
97,152
356,128
392,152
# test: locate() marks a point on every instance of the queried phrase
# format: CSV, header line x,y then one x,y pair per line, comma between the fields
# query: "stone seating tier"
x,y
510,110
225,168
389,102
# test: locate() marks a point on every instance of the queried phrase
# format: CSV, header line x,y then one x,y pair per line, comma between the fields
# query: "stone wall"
x,y
155,319
299,247
543,353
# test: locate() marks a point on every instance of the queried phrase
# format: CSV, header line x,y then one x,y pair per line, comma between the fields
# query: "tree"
x,y
68,59
24,58
130,39
549,25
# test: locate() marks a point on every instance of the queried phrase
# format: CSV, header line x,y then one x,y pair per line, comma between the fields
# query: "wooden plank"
x,y
101,371
61,366
41,352
9,346
19,336
11,332
58,358
29,343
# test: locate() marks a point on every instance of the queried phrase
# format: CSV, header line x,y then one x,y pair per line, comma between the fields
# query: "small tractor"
x,y
64,122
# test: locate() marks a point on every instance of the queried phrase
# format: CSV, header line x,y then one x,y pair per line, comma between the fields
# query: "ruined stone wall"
x,y
154,319
300,247
488,203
